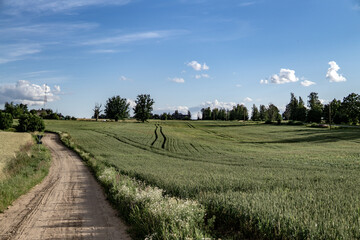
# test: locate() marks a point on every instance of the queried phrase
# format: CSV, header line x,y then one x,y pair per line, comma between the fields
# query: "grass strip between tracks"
x,y
150,213
28,168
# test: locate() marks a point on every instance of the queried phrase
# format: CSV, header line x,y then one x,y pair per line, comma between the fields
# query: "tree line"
x,y
346,111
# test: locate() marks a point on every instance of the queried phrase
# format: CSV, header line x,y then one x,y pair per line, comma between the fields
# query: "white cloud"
x,y
27,93
217,104
264,81
178,80
285,76
46,6
123,78
197,66
205,67
332,74
198,76
247,99
171,109
307,83
131,102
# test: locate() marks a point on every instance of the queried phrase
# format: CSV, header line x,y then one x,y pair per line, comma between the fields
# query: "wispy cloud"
x,y
128,38
246,4
14,52
177,80
53,6
123,78
307,83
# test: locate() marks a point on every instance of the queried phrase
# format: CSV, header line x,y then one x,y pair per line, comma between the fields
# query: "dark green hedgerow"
x,y
27,169
150,213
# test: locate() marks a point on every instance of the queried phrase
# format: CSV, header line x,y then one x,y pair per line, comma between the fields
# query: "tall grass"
x,y
29,166
150,213
259,181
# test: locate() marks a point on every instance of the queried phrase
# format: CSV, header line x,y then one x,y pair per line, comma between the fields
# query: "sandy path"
x,y
68,204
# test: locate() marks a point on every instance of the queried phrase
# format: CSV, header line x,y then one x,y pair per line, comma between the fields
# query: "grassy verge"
x,y
29,166
150,213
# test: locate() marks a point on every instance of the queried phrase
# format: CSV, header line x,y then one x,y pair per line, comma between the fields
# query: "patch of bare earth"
x,y
68,204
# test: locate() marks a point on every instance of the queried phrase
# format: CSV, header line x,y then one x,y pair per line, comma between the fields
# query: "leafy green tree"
x,y
301,111
315,108
16,110
30,123
6,120
262,113
117,108
255,115
143,107
272,113
351,107
206,113
239,112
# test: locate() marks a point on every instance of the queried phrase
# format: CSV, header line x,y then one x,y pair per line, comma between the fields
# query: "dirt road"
x,y
68,204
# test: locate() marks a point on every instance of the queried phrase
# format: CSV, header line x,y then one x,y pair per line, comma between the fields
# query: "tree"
x,y
6,120
255,115
97,110
30,123
315,108
262,113
351,106
16,110
206,113
117,108
272,113
143,107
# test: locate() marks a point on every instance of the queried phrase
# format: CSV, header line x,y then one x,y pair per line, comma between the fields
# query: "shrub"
x,y
6,120
30,123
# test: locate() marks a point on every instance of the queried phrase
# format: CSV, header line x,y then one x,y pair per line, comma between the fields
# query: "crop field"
x,y
259,181
10,143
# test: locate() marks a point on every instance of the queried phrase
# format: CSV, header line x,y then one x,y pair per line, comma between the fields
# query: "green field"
x,y
260,181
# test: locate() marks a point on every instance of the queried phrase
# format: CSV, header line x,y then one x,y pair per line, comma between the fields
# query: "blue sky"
x,y
187,54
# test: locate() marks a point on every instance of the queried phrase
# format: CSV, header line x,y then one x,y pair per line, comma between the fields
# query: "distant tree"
x,y
143,107
6,120
16,110
351,107
255,115
301,111
189,114
272,113
206,113
315,108
239,112
97,110
30,123
262,113
222,114
215,114
117,108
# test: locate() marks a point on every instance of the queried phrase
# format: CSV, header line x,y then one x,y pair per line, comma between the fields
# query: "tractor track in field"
x,y
162,153
156,136
162,133
67,204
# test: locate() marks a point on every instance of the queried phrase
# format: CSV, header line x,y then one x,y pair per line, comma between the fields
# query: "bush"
x,y
30,123
6,120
